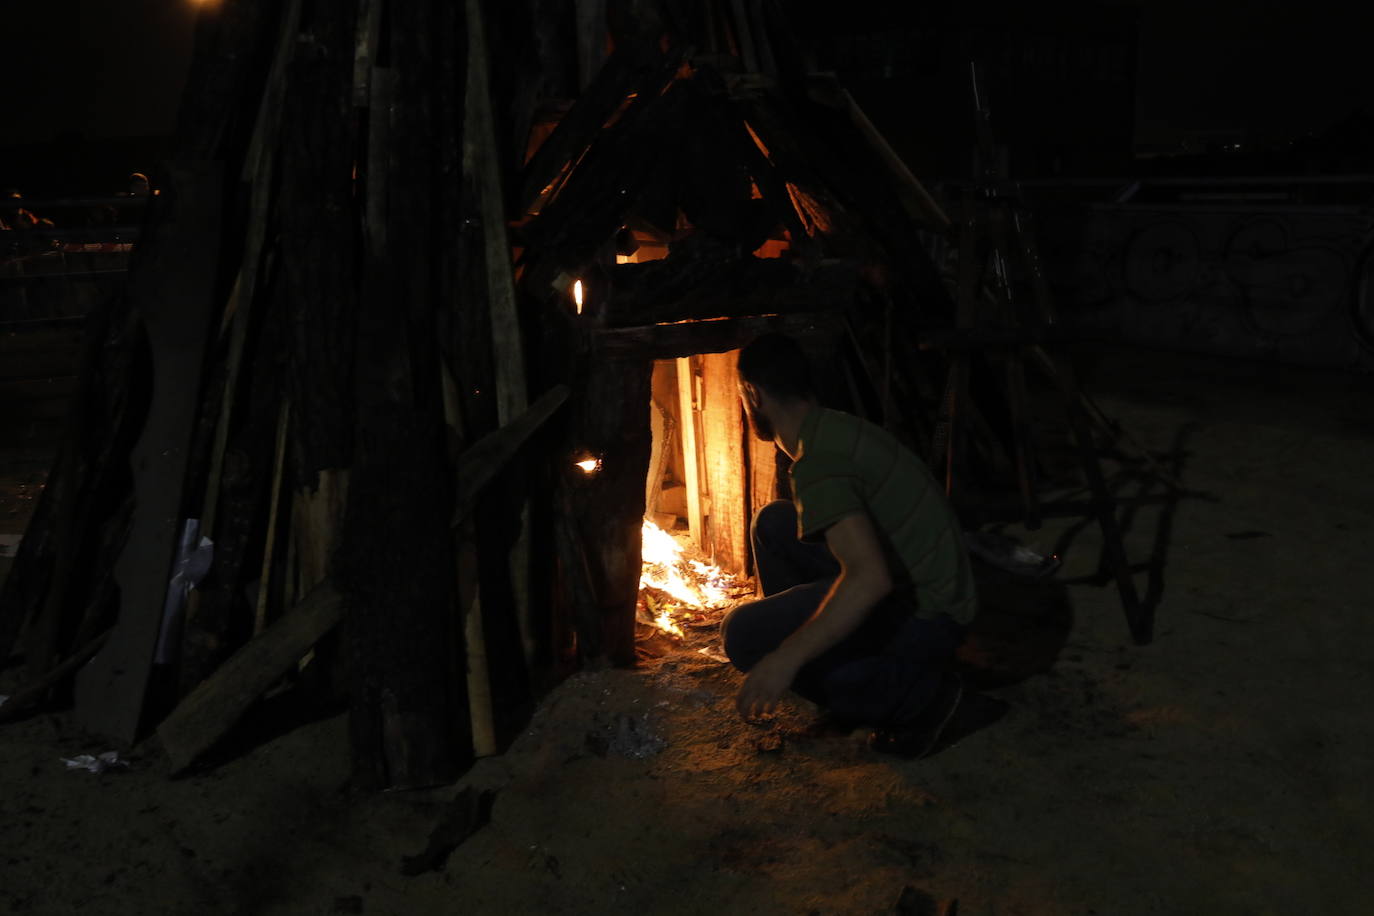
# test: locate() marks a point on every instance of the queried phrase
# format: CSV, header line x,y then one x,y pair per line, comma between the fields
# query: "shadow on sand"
x,y
1023,624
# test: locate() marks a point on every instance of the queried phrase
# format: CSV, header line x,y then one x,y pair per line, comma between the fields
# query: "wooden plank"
x,y
919,205
578,621
669,341
591,39
174,294
490,454
763,472
691,449
685,286
768,65
723,452
273,521
579,127
209,711
480,161
480,710
316,516
594,203
653,482
744,35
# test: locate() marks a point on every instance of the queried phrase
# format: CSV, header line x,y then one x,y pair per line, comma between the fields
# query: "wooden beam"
x,y
669,341
611,420
480,709
691,452
686,286
486,458
744,36
620,78
723,454
591,39
919,205
603,188
481,163
273,521
209,711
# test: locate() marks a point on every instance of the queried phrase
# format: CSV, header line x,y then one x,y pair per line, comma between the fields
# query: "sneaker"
x,y
919,738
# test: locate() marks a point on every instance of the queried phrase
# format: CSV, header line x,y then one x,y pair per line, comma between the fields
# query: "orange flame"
x,y
692,583
577,295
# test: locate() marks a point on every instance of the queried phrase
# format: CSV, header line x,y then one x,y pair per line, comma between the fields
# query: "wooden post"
x,y
273,506
653,481
480,709
612,420
744,37
480,162
686,391
723,459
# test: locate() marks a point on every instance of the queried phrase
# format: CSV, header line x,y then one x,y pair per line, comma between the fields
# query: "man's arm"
x,y
864,580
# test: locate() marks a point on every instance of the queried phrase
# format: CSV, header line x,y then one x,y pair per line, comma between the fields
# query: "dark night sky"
x,y
103,68
1275,67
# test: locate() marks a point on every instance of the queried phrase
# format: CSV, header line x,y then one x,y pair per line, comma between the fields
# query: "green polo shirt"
x,y
846,464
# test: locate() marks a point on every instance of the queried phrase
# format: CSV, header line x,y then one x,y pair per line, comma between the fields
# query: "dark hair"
x,y
777,365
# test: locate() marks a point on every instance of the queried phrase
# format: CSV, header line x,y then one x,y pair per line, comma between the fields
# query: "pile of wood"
x,y
348,356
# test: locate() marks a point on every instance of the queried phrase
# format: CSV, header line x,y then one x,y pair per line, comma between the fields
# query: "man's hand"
x,y
766,683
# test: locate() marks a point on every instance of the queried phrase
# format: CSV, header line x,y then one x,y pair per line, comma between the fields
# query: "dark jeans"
x,y
884,673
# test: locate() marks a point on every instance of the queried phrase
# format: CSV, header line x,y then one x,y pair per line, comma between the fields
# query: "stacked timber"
x,y
348,372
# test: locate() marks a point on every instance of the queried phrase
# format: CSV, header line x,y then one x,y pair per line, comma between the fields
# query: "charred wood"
x,y
688,285
669,341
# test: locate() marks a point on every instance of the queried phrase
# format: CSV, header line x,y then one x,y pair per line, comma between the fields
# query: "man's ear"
x,y
751,394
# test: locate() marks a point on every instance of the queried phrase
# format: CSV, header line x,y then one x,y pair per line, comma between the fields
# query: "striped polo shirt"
x,y
846,464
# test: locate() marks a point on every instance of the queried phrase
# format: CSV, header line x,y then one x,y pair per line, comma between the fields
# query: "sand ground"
x,y
1223,769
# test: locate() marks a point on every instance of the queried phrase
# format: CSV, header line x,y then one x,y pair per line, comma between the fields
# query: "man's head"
x,y
773,378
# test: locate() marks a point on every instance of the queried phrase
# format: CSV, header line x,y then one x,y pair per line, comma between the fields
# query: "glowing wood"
x,y
689,450
722,450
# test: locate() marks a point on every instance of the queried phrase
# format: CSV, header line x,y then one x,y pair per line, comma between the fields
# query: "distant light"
x,y
577,295
589,465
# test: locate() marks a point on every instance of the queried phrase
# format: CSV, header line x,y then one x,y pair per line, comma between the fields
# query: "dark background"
x,y
1083,88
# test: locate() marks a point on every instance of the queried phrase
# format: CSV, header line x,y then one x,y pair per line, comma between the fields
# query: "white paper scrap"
x,y
106,761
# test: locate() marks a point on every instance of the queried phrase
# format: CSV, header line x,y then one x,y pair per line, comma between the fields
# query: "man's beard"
x,y
758,422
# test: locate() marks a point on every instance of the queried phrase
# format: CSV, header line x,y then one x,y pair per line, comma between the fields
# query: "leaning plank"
x,y
479,464
210,710
173,293
480,161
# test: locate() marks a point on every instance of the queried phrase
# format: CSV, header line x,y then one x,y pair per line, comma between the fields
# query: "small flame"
x,y
589,465
664,621
577,295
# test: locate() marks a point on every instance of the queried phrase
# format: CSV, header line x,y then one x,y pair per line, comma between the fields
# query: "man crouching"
x,y
867,585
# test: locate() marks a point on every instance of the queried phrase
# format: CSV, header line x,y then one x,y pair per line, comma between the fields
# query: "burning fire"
x,y
577,295
693,584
